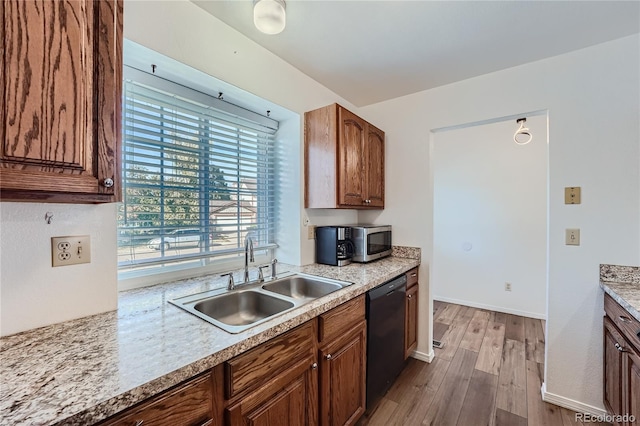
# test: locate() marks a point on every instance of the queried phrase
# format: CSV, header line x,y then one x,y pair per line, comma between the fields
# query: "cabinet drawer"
x,y
341,318
188,404
259,364
629,326
412,278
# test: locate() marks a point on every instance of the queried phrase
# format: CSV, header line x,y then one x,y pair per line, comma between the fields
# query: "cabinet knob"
x,y
409,296
314,365
108,183
328,357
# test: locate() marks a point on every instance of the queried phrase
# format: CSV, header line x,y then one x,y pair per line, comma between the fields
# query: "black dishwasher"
x,y
385,336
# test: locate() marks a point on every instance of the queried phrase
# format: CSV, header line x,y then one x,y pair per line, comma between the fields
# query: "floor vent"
x,y
438,344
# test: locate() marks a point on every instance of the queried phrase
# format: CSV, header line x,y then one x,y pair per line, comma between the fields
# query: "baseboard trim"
x,y
421,356
571,404
491,307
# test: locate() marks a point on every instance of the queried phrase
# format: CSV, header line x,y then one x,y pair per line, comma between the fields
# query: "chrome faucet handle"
x,y
261,274
274,273
230,284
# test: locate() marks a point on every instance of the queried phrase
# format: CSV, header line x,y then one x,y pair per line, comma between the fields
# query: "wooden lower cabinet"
x,y
343,368
411,314
633,391
189,404
613,362
621,365
411,322
289,399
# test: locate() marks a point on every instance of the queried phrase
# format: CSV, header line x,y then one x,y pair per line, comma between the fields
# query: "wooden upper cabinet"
x,y
375,166
61,111
344,160
351,161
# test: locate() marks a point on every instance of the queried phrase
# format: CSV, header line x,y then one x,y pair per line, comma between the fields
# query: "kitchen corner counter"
x,y
622,283
82,371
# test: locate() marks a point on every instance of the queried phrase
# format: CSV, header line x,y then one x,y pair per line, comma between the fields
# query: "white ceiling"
x,y
371,51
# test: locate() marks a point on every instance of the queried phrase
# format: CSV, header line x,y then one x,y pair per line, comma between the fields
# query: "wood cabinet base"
x,y
621,364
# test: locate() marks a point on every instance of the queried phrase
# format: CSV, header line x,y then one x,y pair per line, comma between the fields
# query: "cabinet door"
x,y
613,363
633,386
375,167
289,399
343,378
351,161
60,114
411,321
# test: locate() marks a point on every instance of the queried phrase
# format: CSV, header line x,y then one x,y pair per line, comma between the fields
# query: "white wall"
x,y
490,217
32,293
592,96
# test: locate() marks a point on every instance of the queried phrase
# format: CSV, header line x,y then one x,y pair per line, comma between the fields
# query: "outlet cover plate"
x,y
311,232
70,250
572,195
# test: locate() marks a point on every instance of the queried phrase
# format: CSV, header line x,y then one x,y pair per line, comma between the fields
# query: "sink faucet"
x,y
248,256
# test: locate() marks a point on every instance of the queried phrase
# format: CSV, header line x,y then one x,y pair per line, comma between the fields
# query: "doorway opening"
x,y
490,215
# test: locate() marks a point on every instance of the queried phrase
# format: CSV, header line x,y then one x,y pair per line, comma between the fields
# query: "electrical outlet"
x,y
311,232
70,250
507,286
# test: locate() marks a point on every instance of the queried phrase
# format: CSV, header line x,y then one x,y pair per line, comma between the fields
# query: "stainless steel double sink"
x,y
235,311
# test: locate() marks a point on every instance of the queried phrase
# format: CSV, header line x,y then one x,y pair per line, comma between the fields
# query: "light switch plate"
x,y
572,195
70,250
572,237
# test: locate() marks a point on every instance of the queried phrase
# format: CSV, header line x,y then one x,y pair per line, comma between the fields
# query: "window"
x,y
198,176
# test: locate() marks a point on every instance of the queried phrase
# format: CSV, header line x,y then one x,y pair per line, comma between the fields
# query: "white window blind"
x,y
196,179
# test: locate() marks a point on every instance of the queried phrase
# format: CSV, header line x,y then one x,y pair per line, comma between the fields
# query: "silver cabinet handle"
x,y
409,296
624,319
414,275
108,183
619,347
139,422
314,365
328,357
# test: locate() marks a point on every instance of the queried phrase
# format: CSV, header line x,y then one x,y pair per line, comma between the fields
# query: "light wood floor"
x,y
489,372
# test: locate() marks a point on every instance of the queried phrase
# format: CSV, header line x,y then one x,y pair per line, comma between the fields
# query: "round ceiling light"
x,y
269,16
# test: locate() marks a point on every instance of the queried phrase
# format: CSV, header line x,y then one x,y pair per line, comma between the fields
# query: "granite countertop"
x,y
622,283
85,370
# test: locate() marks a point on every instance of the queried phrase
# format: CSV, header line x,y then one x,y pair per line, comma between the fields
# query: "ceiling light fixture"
x,y
522,136
269,16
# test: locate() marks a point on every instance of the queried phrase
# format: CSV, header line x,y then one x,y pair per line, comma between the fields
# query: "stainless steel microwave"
x,y
370,242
